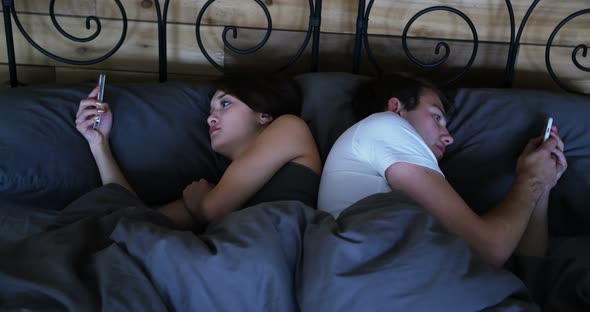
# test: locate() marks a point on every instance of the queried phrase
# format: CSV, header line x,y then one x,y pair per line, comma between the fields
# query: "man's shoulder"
x,y
384,119
382,123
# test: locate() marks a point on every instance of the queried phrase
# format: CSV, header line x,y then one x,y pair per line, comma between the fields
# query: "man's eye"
x,y
437,117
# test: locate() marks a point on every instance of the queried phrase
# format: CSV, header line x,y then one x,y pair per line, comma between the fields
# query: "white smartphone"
x,y
101,82
547,129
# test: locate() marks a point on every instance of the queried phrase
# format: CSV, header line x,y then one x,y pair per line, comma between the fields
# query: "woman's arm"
x,y
107,166
286,139
98,139
495,235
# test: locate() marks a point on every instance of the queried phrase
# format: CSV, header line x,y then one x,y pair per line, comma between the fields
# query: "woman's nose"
x,y
212,120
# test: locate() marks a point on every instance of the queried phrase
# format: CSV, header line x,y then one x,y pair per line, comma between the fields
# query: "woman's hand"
x,y
89,109
193,196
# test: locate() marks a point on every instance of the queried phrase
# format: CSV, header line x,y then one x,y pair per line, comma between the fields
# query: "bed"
x,y
68,243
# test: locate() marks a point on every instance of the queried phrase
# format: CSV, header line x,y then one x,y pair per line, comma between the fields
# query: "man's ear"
x,y
396,106
264,119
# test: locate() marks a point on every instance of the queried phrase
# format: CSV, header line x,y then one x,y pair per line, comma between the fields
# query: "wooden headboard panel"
x,y
497,43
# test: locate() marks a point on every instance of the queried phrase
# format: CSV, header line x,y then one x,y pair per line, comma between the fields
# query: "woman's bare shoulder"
x,y
290,121
291,134
290,126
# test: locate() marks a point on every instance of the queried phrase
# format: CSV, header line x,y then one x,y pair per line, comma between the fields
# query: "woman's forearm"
x,y
107,166
178,212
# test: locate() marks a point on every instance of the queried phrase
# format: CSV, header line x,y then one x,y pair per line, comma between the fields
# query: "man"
x,y
397,143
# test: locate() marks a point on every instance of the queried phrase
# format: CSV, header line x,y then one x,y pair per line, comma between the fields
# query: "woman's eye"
x,y
225,103
437,117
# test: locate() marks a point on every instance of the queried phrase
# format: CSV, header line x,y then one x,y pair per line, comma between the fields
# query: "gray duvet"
x,y
107,251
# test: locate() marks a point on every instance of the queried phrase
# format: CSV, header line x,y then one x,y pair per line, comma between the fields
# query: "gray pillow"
x,y
327,107
159,137
491,128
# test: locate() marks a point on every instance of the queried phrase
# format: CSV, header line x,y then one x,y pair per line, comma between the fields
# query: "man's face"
x,y
428,118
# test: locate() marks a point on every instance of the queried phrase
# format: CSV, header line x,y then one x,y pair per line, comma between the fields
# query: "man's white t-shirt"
x,y
356,165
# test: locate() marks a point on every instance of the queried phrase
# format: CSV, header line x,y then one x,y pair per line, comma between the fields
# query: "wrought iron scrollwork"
x,y
584,54
575,53
441,44
362,28
162,54
314,25
6,5
89,19
515,40
362,34
515,43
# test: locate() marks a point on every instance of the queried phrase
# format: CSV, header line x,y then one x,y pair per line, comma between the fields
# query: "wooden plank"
x,y
487,68
281,47
42,31
339,16
65,7
27,75
490,18
547,16
37,75
286,14
531,70
139,52
75,75
336,54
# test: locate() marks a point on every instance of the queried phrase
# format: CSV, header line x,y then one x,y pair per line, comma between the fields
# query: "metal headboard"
x,y
313,34
362,41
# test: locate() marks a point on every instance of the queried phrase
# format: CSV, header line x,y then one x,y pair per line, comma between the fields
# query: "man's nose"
x,y
447,138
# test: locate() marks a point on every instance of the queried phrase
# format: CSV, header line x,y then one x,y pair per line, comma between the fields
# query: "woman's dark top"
x,y
292,182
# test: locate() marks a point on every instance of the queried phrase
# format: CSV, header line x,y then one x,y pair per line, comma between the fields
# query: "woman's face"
x,y
232,124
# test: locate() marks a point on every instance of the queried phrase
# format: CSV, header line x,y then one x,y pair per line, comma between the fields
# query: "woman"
x,y
254,122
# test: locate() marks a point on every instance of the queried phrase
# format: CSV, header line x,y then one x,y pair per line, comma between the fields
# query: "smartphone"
x,y
547,132
101,82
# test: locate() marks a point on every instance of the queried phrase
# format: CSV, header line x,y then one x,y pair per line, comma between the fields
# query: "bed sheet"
x,y
107,251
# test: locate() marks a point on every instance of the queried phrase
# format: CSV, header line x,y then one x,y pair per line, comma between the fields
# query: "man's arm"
x,y
534,239
493,236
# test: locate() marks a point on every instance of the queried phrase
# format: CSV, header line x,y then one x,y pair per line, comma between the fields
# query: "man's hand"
x,y
542,163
